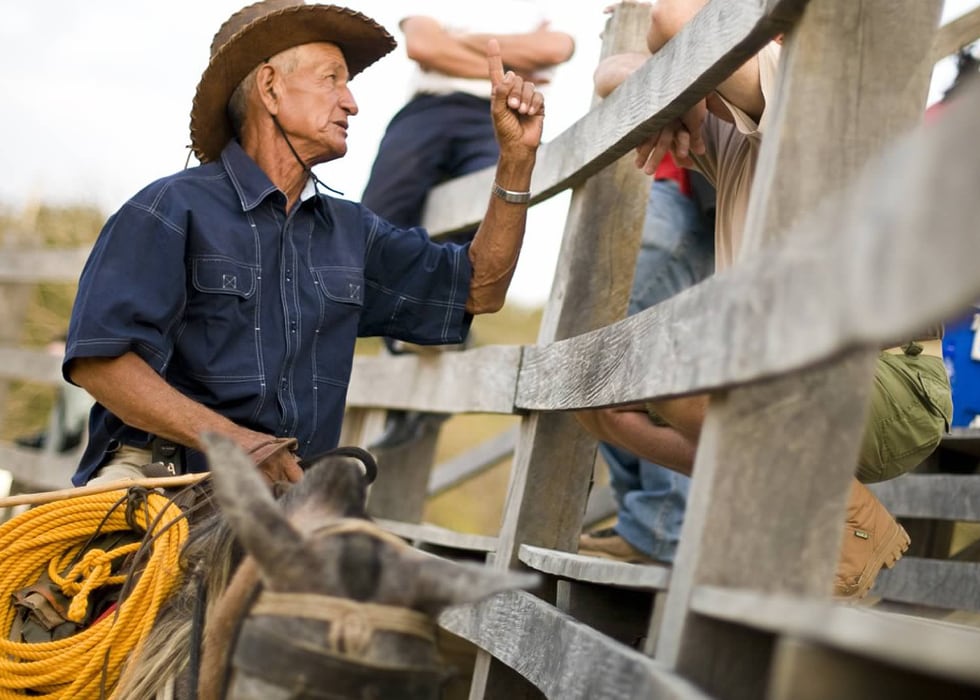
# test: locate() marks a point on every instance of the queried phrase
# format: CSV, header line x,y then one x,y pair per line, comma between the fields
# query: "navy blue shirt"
x,y
249,311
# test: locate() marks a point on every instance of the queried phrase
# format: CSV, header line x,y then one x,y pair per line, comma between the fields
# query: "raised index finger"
x,y
495,63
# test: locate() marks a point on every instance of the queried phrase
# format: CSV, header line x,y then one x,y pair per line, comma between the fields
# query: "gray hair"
x,y
284,61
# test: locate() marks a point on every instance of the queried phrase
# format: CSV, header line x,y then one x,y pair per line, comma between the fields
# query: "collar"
x,y
309,190
249,180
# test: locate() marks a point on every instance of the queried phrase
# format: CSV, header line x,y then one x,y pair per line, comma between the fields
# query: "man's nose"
x,y
348,102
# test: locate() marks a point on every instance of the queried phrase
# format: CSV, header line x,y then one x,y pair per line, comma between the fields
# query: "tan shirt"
x,y
731,151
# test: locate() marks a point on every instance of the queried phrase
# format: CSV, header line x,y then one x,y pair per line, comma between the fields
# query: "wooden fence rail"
x,y
872,237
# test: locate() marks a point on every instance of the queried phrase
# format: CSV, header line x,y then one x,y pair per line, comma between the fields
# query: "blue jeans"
x,y
677,252
432,139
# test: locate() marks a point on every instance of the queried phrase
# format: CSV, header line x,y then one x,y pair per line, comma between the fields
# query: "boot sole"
x,y
885,556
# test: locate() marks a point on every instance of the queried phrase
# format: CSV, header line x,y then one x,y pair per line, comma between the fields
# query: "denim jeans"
x,y
677,252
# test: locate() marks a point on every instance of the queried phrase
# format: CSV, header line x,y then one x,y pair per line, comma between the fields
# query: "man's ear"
x,y
265,83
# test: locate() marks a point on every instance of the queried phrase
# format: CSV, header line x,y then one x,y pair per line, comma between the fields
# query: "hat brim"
x,y
362,40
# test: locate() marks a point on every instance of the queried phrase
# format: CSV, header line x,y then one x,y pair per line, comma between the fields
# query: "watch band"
x,y
510,195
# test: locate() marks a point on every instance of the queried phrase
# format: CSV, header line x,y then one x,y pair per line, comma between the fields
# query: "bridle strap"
x,y
225,620
352,623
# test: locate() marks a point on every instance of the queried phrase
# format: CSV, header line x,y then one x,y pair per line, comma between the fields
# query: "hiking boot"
x,y
608,544
872,539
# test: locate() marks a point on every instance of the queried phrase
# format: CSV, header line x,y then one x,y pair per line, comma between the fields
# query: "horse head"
x,y
327,605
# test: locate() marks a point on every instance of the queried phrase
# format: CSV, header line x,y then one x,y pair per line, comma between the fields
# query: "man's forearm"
x,y
667,17
615,69
526,53
434,49
497,243
138,396
631,429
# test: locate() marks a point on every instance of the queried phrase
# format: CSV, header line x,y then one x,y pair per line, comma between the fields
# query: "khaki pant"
x,y
911,407
126,463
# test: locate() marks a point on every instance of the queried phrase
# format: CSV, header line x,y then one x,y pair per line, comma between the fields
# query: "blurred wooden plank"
x,y
966,440
425,533
602,505
935,496
35,470
595,570
562,657
839,281
803,670
30,365
954,585
42,265
931,647
472,381
953,36
775,459
475,461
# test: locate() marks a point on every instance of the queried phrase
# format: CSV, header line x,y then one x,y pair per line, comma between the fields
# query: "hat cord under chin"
x,y
317,182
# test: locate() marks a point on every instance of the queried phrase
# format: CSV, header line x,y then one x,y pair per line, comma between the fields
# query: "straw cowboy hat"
x,y
260,31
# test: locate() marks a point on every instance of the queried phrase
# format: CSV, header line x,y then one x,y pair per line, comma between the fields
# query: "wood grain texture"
x,y
839,281
553,461
683,72
564,658
932,647
775,460
478,381
933,582
939,496
593,570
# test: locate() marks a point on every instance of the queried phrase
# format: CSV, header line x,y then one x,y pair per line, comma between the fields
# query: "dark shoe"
x,y
872,539
34,442
38,440
404,427
608,544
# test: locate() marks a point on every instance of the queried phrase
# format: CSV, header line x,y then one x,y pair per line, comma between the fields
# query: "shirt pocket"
x,y
217,341
341,303
343,285
218,275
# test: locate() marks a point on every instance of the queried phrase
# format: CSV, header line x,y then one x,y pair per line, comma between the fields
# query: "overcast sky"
x,y
97,95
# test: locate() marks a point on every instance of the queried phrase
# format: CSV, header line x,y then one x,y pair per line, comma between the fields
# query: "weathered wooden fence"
x,y
862,229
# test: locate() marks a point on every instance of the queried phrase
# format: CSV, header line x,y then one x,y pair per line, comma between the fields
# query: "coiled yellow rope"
x,y
50,537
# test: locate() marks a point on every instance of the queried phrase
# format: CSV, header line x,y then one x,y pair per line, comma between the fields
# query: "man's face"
x,y
315,102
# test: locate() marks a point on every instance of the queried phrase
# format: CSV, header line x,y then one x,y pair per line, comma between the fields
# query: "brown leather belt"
x,y
932,347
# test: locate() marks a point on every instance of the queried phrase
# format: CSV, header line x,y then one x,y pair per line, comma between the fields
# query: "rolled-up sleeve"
x,y
416,289
132,289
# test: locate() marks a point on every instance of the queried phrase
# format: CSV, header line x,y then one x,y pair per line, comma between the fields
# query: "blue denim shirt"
x,y
249,311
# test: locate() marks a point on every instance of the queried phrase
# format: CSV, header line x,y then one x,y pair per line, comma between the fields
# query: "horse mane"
x,y
209,558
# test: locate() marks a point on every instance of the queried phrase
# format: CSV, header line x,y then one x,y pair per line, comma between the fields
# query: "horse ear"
x,y
440,583
334,486
254,516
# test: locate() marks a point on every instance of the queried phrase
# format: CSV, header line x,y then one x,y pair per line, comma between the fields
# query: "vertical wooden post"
x,y
550,477
775,460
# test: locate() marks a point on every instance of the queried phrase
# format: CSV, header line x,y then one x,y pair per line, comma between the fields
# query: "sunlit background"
x,y
97,96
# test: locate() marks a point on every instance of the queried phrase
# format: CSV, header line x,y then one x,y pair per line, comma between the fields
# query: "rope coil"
x,y
50,538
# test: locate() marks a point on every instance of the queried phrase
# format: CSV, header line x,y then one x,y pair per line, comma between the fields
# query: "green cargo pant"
x,y
911,407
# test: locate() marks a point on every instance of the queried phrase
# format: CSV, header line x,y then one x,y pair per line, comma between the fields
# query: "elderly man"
x,y
228,297
910,404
